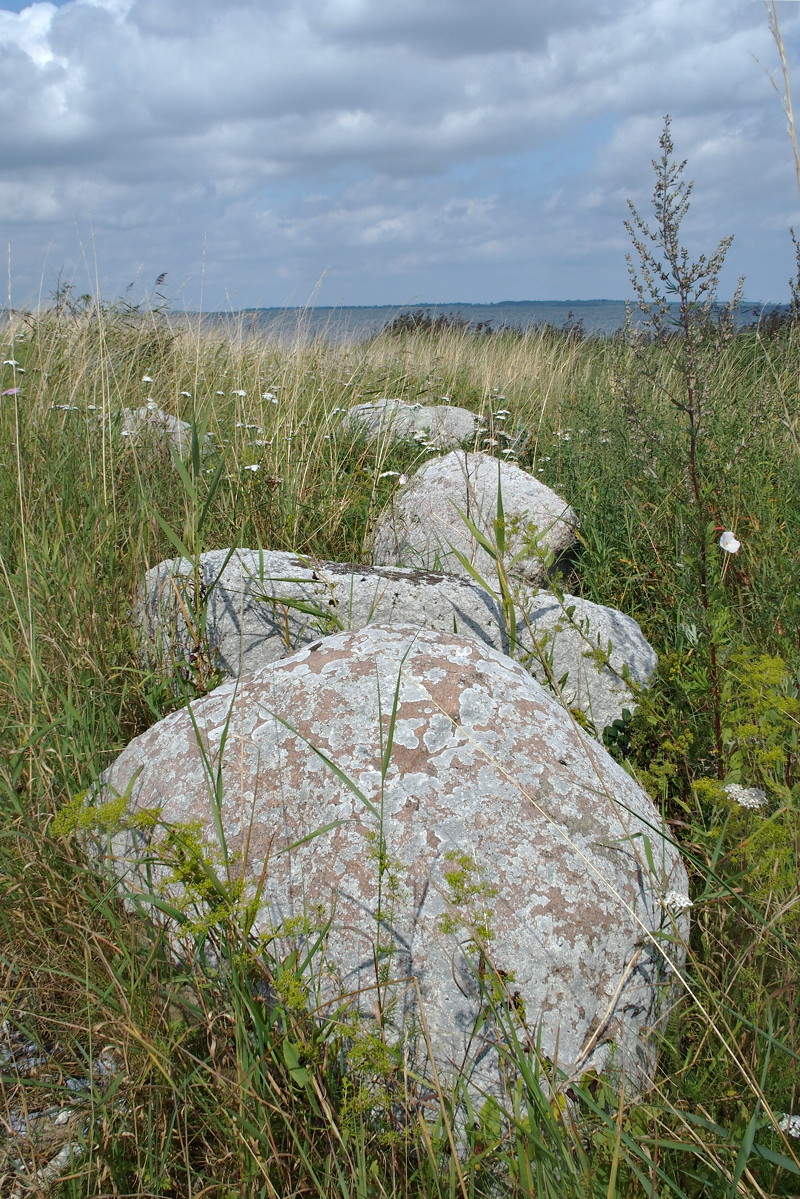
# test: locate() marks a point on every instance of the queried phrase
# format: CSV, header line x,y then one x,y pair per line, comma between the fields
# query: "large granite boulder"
x,y
419,796
241,609
422,527
443,426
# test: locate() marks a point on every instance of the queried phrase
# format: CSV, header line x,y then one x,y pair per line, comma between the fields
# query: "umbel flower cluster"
x,y
746,797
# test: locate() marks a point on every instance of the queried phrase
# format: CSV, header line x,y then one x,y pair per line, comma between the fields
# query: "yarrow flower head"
x,y
729,543
676,902
254,466
790,1125
746,797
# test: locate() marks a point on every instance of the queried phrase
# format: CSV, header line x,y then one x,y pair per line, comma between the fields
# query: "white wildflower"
x,y
270,396
10,362
746,797
147,378
188,394
790,1125
254,466
220,393
675,901
241,394
389,474
490,441
729,543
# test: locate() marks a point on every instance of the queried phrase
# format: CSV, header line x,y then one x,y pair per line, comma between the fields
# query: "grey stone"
x,y
257,606
594,657
422,526
151,422
572,884
442,426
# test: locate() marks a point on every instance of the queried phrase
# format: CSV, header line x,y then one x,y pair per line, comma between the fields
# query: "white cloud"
x,y
429,125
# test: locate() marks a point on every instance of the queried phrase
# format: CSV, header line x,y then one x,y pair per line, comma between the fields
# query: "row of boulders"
x,y
376,714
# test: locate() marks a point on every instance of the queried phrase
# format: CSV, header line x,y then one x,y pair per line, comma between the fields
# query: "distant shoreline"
x,y
440,304
357,322
598,318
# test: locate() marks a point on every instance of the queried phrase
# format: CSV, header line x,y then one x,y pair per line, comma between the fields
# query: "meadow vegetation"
x,y
188,1083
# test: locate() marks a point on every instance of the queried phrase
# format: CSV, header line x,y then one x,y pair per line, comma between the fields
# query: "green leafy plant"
x,y
692,335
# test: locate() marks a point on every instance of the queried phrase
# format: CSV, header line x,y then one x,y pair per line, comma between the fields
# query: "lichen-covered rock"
x,y
595,658
151,422
257,606
498,823
439,425
422,525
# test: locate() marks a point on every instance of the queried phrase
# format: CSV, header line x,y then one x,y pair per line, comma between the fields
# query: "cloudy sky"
x,y
267,152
